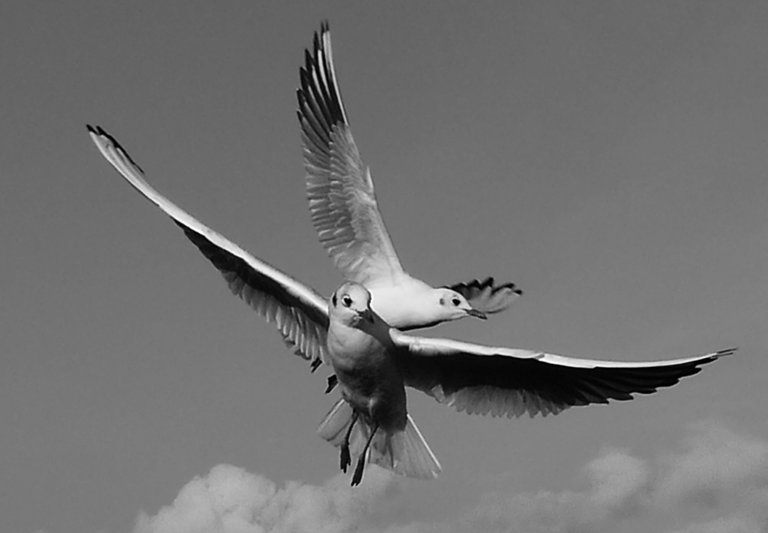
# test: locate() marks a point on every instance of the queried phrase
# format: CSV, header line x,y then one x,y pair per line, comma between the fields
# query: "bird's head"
x,y
351,304
454,305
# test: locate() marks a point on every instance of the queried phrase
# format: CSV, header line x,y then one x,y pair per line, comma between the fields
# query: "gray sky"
x,y
609,157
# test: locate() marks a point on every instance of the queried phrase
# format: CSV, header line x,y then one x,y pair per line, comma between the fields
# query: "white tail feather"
x,y
412,455
334,425
403,452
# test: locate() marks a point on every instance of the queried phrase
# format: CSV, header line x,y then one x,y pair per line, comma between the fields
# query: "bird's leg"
x,y
357,477
345,460
332,381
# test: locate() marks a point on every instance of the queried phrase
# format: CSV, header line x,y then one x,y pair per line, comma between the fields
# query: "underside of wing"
x,y
342,202
507,382
299,312
486,296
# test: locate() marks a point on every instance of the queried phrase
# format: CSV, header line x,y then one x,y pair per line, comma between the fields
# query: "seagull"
x,y
362,356
473,378
346,216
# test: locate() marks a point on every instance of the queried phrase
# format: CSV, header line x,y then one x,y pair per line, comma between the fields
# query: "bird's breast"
x,y
364,367
353,349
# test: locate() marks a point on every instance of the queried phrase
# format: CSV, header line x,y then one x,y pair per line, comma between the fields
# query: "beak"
x,y
366,315
477,314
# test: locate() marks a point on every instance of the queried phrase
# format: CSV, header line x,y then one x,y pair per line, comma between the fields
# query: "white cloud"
x,y
716,481
715,464
231,500
618,481
731,524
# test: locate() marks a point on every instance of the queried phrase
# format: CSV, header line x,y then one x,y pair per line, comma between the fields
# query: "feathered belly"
x,y
381,402
369,381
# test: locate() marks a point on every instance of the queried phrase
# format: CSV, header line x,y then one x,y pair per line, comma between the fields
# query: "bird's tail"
x,y
410,454
403,452
334,425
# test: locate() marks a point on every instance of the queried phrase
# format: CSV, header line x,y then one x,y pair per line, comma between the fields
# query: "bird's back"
x,y
410,303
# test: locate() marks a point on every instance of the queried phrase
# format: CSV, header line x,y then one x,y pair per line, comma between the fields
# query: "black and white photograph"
x,y
384,267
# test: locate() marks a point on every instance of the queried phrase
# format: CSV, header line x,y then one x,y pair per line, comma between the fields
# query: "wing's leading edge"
x,y
509,382
299,312
342,201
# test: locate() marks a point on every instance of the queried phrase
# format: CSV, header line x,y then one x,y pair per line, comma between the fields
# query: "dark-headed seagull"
x,y
345,213
473,378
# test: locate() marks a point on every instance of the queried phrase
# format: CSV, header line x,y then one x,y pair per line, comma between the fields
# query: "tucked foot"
x,y
357,477
345,460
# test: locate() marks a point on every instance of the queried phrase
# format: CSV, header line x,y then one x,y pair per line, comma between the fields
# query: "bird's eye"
x,y
347,301
456,302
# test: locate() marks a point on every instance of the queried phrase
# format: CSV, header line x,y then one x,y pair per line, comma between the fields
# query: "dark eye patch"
x,y
334,301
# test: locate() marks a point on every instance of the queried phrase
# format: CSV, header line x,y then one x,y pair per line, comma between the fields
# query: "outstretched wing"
x,y
299,312
485,296
508,382
342,202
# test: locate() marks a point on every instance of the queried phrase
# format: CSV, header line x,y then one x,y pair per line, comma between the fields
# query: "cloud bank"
x,y
714,481
231,500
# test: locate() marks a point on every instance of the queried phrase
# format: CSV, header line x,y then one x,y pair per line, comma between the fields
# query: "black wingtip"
x,y
97,130
486,295
309,62
725,353
513,288
489,282
509,285
101,132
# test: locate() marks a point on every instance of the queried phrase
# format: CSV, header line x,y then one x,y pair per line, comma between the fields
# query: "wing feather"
x,y
299,312
342,201
509,382
487,297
